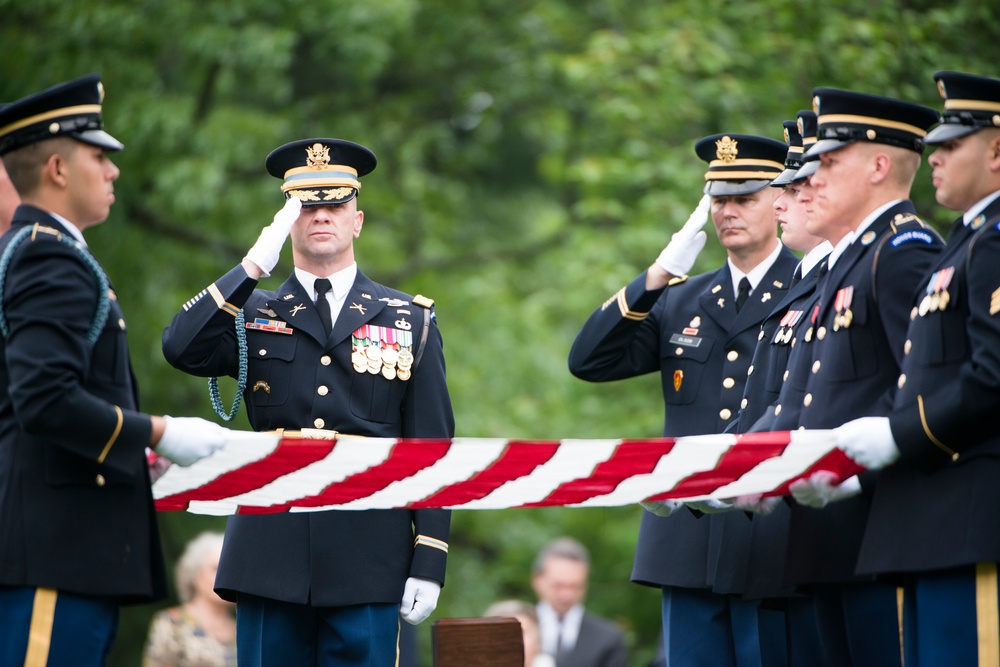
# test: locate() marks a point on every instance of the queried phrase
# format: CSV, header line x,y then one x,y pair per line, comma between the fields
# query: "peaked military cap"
x,y
70,109
739,164
970,103
800,134
321,171
845,117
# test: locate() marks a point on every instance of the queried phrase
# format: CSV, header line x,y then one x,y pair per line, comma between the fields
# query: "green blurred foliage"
x,y
534,157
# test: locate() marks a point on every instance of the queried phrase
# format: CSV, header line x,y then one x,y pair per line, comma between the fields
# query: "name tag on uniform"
x,y
685,341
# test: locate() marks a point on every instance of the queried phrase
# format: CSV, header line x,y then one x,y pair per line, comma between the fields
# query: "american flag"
x,y
258,473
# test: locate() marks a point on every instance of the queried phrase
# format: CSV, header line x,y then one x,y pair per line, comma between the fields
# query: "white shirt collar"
x,y
848,239
979,207
73,230
550,627
341,281
757,273
815,256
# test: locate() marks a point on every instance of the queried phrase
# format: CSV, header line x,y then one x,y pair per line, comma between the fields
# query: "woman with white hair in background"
x,y
201,631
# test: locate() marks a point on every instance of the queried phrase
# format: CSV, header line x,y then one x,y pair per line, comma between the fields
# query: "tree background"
x,y
534,156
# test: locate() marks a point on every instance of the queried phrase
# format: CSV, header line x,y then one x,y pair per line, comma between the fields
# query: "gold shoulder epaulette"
x,y
904,219
677,280
423,301
40,228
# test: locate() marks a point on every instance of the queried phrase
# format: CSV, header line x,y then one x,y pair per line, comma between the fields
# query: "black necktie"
x,y
796,276
743,294
323,286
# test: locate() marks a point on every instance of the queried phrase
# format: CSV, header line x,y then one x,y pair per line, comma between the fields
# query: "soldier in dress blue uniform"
x,y
699,333
750,554
78,532
867,154
934,518
329,349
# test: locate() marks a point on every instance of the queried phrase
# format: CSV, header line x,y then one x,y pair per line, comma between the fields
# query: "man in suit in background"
x,y
575,637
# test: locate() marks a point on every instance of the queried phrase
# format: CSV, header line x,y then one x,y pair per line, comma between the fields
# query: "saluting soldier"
x,y
699,333
78,533
867,154
935,517
330,349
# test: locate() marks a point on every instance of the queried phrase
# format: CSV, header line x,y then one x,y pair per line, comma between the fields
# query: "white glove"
x,y
266,250
189,439
679,255
868,442
757,504
662,507
710,506
820,489
420,597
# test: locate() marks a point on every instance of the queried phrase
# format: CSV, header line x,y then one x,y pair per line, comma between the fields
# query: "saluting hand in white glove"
x,y
420,597
267,249
682,251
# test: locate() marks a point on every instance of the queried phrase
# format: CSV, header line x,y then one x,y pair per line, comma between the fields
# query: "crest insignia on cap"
x,y
941,89
801,126
318,156
788,139
816,105
726,149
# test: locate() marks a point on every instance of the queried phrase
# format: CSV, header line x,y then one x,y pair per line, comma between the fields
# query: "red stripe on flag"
x,y
748,451
290,455
518,459
408,457
630,458
836,461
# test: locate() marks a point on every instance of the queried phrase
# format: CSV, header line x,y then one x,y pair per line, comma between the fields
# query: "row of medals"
x,y
931,303
389,362
843,320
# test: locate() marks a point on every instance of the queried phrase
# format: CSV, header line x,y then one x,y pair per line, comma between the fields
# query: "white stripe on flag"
x,y
465,458
573,459
804,449
349,457
689,455
241,448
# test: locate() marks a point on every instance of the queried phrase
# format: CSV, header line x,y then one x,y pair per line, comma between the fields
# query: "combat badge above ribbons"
x,y
382,350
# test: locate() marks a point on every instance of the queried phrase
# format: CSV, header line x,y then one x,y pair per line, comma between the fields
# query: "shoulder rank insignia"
x,y
423,301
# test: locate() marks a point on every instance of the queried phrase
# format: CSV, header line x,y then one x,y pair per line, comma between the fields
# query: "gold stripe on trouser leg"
x,y
399,631
987,614
43,615
899,621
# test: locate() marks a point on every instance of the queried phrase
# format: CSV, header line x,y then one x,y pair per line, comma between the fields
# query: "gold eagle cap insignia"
x,y
941,90
726,149
816,105
317,156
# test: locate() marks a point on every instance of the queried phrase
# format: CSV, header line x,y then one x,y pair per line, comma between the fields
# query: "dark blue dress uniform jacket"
x,y
305,379
854,372
76,513
746,552
938,506
691,333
